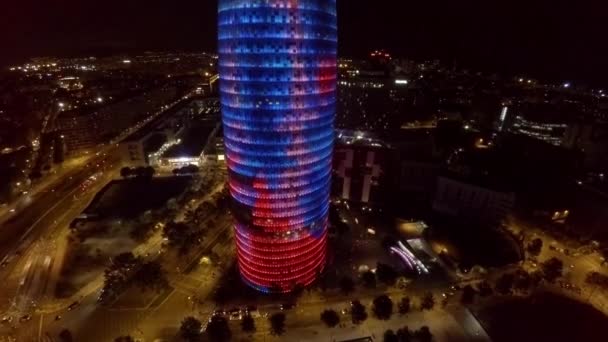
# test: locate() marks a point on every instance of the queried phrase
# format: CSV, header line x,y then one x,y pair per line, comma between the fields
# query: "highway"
x,y
33,245
33,237
105,323
576,267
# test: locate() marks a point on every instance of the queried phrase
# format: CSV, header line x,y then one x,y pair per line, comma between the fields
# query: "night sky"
x,y
561,40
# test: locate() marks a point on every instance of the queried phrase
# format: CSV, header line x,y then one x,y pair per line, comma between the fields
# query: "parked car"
x,y
73,305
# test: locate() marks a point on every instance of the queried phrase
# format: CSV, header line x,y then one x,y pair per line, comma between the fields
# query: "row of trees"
x,y
598,279
127,269
142,171
519,280
186,170
182,236
384,273
218,330
406,335
382,308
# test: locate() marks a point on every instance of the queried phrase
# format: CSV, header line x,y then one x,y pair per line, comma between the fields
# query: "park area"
x,y
129,198
122,216
466,246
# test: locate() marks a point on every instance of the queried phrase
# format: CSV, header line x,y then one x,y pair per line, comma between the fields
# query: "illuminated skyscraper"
x,y
277,61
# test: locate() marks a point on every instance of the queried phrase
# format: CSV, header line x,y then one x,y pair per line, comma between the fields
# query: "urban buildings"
x,y
360,163
550,132
278,66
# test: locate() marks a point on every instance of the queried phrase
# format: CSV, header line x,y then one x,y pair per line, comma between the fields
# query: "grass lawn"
x,y
128,198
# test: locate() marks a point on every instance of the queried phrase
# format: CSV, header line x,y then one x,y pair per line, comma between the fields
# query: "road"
x,y
577,265
32,240
107,322
91,322
33,258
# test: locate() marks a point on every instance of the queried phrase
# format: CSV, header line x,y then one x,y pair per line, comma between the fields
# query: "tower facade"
x,y
277,62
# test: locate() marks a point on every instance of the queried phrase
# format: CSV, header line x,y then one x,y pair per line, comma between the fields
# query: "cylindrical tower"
x,y
277,62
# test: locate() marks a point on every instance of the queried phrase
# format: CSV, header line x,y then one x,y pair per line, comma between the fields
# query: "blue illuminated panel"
x,y
277,62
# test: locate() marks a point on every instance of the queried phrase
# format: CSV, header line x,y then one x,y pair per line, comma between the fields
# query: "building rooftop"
x,y
480,167
158,121
193,140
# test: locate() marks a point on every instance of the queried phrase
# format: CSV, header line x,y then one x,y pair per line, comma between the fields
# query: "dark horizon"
x,y
547,40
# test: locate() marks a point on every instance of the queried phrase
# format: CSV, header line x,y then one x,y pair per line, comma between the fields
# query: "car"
x,y
287,306
58,317
7,319
25,318
219,312
73,306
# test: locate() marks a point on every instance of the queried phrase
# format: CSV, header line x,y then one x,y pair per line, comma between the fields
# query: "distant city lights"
x,y
401,82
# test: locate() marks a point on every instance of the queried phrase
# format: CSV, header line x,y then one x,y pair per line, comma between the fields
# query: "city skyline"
x,y
303,170
540,39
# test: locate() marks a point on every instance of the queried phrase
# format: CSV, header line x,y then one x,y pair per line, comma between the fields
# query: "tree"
x,y
330,318
140,171
124,339
596,278
126,172
485,289
218,329
468,295
125,261
277,323
347,285
358,312
119,274
536,277
178,234
148,172
424,334
369,279
386,273
389,336
404,334
504,284
383,307
190,330
535,247
190,169
151,276
65,336
522,280
552,269
428,301
405,305
248,323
